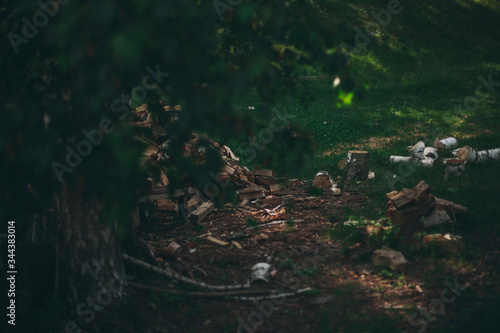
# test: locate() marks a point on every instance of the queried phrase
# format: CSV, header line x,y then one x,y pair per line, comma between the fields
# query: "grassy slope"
x,y
416,72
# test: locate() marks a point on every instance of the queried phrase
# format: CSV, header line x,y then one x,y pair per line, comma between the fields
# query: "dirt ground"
x,y
348,294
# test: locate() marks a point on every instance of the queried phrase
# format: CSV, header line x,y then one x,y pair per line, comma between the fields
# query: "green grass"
x,y
414,75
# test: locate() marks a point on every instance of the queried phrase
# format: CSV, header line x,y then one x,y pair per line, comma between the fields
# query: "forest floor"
x,y
438,293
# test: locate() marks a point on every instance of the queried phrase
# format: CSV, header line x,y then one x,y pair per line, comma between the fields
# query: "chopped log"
x,y
324,181
165,205
451,208
272,201
444,243
229,153
445,144
397,159
407,219
201,212
216,241
266,173
431,152
437,217
484,155
405,208
427,161
454,167
419,193
229,170
357,164
142,108
253,192
194,203
263,180
417,151
386,257
467,154
273,188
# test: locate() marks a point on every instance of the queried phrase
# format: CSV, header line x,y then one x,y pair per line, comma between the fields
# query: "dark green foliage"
x,y
82,65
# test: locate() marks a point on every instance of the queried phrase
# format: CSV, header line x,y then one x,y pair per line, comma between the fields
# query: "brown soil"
x,y
348,295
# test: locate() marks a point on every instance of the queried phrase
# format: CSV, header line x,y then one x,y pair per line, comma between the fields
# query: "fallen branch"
x,y
278,296
201,293
179,277
273,223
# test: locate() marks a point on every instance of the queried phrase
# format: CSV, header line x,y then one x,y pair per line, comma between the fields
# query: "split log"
x,y
437,217
274,188
357,164
444,243
253,192
266,173
229,170
450,207
419,193
201,212
263,180
272,201
445,144
405,208
142,108
229,153
165,205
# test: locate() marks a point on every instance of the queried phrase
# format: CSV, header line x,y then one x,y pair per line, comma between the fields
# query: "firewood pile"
x,y
455,166
415,210
260,186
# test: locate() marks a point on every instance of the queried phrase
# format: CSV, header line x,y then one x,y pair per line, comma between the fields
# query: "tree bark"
x,y
92,276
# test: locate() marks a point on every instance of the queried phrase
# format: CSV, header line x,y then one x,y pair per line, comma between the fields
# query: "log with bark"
x,y
445,144
357,164
470,154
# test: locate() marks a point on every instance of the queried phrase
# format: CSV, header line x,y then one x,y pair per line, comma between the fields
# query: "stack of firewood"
x,y
415,210
251,185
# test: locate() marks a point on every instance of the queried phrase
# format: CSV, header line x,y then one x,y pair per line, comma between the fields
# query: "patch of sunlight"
x,y
369,60
490,4
372,143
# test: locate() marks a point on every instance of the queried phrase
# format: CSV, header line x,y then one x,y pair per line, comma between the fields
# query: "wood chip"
x,y
216,241
238,245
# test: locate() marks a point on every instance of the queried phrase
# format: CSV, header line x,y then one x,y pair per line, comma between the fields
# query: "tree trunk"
x,y
91,273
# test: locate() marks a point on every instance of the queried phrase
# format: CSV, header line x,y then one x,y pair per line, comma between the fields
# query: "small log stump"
x,y
357,164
